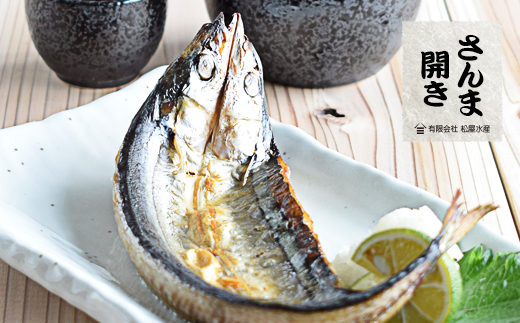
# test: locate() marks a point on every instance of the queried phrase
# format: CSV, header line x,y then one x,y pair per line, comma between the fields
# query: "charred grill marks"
x,y
206,211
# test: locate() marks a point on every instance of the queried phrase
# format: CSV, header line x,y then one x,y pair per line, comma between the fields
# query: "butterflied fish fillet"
x,y
206,210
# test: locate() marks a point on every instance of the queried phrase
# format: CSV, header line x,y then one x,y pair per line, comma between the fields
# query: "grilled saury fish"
x,y
206,210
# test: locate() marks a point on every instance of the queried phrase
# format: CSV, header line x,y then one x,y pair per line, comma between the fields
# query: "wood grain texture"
x,y
370,131
505,154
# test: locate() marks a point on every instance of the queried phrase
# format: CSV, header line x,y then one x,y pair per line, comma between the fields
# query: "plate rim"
x,y
138,312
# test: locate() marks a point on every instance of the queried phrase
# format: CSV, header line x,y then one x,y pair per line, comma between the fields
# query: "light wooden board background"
x,y
370,133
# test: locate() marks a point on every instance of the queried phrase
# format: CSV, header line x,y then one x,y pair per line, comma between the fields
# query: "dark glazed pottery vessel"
x,y
96,43
321,43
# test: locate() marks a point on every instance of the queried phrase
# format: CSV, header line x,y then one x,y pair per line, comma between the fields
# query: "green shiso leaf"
x,y
491,287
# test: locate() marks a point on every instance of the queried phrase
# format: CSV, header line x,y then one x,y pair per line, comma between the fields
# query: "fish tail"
x,y
457,224
381,302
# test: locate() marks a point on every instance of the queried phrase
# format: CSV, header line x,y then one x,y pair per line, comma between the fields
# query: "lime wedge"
x,y
387,252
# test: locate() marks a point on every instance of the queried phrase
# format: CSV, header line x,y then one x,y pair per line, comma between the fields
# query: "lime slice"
x,y
422,220
367,281
387,252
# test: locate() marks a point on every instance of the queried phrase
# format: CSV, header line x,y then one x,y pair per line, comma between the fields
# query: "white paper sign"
x,y
452,81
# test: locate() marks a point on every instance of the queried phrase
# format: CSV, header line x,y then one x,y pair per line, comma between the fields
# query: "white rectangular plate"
x,y
57,223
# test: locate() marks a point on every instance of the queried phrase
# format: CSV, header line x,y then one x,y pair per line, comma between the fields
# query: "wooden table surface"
x,y
370,132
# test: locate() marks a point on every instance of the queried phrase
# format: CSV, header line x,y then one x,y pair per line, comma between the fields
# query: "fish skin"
x,y
169,171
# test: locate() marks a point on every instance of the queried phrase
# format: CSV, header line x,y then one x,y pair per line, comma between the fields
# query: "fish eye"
x,y
252,84
206,67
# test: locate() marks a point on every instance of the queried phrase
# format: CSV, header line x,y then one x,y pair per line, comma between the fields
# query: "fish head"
x,y
200,71
238,134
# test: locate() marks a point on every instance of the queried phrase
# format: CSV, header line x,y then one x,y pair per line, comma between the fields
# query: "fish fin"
x,y
457,224
251,162
155,101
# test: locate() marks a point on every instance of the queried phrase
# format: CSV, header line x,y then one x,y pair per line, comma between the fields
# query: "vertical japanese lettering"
x,y
436,91
470,98
435,64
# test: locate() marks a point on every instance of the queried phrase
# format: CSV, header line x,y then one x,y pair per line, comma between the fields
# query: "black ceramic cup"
x,y
96,43
321,43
